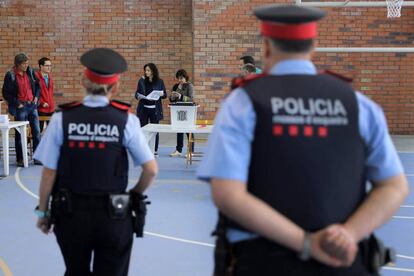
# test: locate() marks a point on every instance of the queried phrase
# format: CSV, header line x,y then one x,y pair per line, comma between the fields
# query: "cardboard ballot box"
x,y
183,114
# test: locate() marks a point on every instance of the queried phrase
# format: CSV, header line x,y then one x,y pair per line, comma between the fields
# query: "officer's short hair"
x,y
20,58
292,46
93,88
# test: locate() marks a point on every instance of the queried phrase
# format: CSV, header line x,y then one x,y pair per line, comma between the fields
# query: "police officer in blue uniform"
x,y
84,153
289,158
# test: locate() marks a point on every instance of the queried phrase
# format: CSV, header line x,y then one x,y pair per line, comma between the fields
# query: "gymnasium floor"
x,y
179,222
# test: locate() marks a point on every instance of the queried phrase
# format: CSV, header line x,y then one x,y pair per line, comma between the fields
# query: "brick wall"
x,y
143,31
205,37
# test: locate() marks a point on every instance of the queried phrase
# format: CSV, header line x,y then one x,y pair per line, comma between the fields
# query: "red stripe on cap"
x,y
101,79
289,31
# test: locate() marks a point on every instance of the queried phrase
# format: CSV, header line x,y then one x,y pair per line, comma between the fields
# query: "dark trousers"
x,y
260,257
180,141
42,123
89,229
27,113
149,115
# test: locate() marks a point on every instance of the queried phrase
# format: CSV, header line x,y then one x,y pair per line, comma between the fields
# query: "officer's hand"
x,y
319,254
45,105
338,242
44,225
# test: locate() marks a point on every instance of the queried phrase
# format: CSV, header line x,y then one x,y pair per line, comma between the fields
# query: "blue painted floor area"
x,y
181,212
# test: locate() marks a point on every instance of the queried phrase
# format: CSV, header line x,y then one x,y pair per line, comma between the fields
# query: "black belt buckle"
x,y
119,206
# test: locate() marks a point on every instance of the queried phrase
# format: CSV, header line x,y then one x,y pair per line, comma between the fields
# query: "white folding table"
x,y
150,131
21,127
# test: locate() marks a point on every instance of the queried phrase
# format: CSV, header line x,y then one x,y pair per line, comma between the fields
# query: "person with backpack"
x,y
21,91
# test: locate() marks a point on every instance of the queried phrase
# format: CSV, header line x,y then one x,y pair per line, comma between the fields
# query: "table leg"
x,y
23,135
5,143
189,149
150,136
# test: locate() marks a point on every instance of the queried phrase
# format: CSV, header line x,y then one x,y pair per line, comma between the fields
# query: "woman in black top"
x,y
150,111
183,91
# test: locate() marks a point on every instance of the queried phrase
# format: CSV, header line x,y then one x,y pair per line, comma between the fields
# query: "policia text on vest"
x,y
93,132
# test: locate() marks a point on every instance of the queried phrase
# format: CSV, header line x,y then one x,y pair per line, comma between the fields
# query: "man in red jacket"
x,y
46,102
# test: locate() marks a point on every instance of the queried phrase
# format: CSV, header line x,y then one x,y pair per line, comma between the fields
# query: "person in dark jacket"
x,y
183,91
21,91
46,85
150,111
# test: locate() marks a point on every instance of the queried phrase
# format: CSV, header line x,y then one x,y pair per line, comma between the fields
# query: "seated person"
x,y
183,91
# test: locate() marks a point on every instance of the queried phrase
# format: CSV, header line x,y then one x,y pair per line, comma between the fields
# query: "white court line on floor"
x,y
26,190
405,257
398,269
178,239
21,185
402,217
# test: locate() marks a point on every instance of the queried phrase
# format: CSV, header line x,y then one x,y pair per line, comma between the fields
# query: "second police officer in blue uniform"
x,y
289,158
84,153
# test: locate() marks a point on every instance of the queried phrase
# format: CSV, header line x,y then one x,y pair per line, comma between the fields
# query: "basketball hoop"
x,y
394,8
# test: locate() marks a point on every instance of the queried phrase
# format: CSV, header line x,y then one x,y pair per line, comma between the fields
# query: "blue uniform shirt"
x,y
228,150
48,150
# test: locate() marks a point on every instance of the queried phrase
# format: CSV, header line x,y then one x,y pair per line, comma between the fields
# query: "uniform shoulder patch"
x,y
243,81
120,105
67,106
336,75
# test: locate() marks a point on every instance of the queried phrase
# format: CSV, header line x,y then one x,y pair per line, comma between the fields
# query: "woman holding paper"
x,y
183,91
150,91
